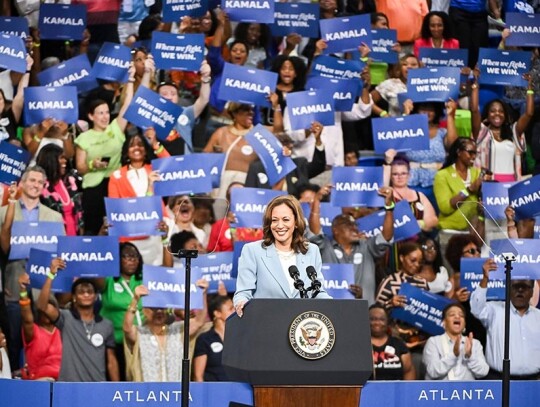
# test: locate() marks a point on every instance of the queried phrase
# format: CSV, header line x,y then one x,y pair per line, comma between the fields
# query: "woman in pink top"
x,y
436,32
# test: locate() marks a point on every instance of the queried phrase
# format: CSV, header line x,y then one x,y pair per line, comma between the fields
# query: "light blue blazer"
x,y
260,274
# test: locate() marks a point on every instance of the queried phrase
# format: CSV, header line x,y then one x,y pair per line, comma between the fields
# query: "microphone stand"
x,y
188,255
509,258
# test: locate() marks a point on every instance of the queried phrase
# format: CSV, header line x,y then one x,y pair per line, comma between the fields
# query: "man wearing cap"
x,y
348,245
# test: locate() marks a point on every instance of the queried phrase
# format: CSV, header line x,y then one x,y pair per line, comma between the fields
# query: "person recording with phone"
x,y
276,267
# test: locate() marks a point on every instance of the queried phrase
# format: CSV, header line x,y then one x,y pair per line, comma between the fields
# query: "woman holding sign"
x,y
501,141
265,268
97,155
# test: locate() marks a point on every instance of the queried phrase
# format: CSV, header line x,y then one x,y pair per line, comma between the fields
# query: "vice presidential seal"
x,y
312,335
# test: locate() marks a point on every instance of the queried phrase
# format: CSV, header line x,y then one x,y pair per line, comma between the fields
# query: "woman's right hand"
x,y
140,291
239,308
57,264
399,301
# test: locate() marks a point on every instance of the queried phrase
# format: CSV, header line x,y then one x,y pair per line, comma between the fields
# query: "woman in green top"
x,y
117,293
97,155
456,187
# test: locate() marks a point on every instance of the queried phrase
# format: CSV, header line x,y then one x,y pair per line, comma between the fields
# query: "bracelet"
x,y
51,275
464,192
474,86
277,109
206,79
36,44
131,80
12,200
36,138
23,294
384,113
28,71
133,310
481,218
159,150
530,92
364,59
511,226
390,207
149,193
165,242
24,303
91,165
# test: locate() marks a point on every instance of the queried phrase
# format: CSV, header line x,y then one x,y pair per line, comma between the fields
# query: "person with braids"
x,y
62,191
263,265
116,296
501,141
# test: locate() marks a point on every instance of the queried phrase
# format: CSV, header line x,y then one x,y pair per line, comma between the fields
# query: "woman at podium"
x,y
276,266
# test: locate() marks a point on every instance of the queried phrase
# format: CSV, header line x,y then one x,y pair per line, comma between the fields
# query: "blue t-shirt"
x,y
472,6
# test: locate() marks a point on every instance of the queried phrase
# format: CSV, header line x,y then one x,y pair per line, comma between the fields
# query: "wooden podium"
x,y
260,349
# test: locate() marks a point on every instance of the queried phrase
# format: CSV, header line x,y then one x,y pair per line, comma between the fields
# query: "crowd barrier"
x,y
19,393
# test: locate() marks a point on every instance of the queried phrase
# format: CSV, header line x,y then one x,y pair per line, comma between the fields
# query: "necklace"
x,y
285,255
88,328
240,133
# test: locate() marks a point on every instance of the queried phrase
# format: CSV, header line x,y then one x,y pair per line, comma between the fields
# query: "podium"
x,y
300,352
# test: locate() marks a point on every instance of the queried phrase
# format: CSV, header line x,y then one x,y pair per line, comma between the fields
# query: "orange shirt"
x,y
405,16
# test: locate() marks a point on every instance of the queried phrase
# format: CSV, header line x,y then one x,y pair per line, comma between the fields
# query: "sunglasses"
x,y
471,251
428,248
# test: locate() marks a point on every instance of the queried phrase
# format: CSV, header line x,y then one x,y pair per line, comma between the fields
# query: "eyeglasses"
x,y
472,250
521,286
400,174
428,248
471,152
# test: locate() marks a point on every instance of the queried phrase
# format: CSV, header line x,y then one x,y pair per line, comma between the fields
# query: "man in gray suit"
x,y
26,208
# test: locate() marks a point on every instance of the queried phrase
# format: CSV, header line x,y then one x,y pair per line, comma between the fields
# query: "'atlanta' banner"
x,y
89,256
423,309
37,267
298,18
43,102
433,84
345,33
216,267
75,72
128,394
37,235
174,10
524,30
357,186
134,216
495,198
249,204
148,109
112,62
471,273
270,151
16,26
251,11
62,22
401,133
526,265
247,85
343,91
503,67
13,162
433,57
167,287
524,197
405,224
337,278
13,53
182,174
307,107
180,52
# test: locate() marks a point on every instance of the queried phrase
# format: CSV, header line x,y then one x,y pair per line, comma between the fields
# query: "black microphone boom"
x,y
298,283
315,284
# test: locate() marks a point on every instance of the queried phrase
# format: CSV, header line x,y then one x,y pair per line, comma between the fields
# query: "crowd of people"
x,y
100,331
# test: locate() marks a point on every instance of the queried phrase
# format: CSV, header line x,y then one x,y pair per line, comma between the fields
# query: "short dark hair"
x,y
216,303
454,304
83,281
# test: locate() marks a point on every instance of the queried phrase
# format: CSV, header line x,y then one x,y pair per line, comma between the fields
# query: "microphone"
x,y
298,283
315,284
